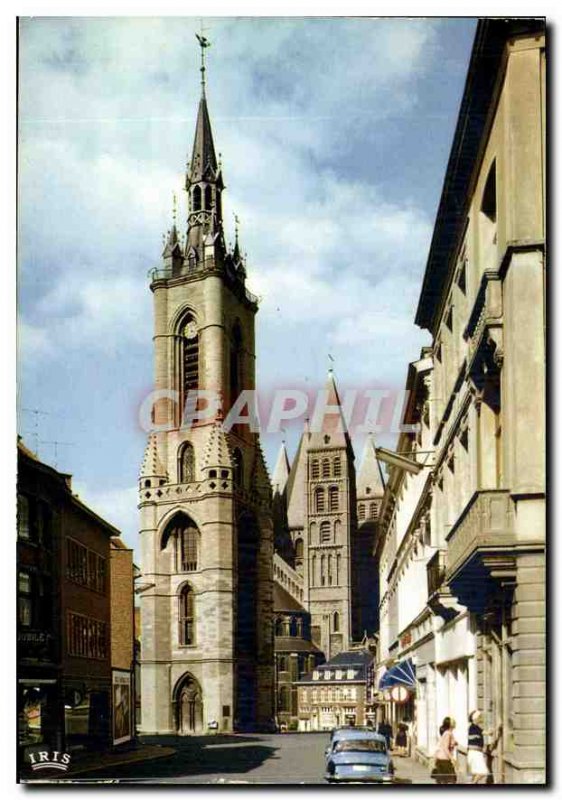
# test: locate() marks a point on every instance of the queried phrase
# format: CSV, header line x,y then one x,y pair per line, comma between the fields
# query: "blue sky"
x,y
334,135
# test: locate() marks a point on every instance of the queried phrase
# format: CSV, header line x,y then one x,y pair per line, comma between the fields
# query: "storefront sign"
x,y
399,694
122,721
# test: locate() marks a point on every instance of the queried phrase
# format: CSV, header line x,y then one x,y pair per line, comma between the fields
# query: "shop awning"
x,y
403,674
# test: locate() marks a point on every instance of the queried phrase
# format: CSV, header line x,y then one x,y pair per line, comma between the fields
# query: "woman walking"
x,y
444,770
477,766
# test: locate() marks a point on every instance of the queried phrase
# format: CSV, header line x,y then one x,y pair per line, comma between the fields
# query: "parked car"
x,y
342,733
359,755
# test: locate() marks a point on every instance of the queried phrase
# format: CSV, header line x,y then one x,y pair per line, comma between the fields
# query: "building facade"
x,y
483,302
206,532
122,576
64,614
337,693
295,655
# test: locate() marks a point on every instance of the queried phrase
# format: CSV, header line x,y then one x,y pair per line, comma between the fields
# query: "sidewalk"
x,y
89,762
411,771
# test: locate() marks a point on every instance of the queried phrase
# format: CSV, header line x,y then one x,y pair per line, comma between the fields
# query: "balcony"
x,y
480,547
436,568
439,596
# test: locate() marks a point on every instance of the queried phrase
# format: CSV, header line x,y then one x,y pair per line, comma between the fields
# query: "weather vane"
x,y
203,44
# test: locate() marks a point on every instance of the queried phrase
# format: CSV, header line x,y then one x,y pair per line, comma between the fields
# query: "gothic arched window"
x,y
238,465
313,576
325,468
186,463
336,623
333,498
319,500
337,531
322,570
337,467
325,533
373,510
361,511
298,552
197,198
186,616
315,469
282,663
187,549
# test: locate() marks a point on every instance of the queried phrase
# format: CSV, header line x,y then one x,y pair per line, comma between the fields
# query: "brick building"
x,y
64,664
122,573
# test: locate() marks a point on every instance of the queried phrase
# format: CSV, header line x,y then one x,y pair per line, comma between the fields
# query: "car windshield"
x,y
360,745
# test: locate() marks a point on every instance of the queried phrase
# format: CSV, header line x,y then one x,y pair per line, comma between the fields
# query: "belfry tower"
x,y
205,498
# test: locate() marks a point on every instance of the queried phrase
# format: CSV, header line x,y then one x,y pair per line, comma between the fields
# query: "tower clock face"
x,y
190,330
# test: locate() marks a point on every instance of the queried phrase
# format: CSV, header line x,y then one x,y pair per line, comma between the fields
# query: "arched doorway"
x,y
189,707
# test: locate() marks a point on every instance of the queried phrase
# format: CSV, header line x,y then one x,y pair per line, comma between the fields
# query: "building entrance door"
x,y
190,708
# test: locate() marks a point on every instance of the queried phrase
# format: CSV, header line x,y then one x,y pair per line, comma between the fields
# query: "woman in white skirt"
x,y
477,766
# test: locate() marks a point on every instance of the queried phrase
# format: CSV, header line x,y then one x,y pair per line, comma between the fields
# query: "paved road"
x,y
241,758
286,758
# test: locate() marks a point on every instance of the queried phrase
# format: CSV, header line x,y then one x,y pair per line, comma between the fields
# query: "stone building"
x,y
64,616
316,507
338,693
483,302
206,532
295,655
122,575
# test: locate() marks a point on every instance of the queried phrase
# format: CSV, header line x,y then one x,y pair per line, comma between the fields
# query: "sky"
x,y
334,135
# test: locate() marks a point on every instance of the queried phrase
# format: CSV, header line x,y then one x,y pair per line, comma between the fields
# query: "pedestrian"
x,y
401,741
444,770
477,765
385,730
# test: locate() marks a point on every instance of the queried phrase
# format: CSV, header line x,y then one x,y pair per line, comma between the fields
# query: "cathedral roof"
x,y
370,480
203,159
329,427
151,465
296,485
281,471
283,601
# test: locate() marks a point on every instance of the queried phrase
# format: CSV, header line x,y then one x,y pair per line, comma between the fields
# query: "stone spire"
x,y
217,452
172,254
329,429
204,166
281,471
203,183
370,481
151,466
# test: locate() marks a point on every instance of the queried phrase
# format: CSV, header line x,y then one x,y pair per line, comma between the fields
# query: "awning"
x,y
403,674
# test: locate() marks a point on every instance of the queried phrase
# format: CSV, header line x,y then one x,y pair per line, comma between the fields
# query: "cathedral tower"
x,y
205,499
319,497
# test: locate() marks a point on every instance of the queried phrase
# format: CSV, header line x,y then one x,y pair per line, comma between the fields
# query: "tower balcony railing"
x,y
165,274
